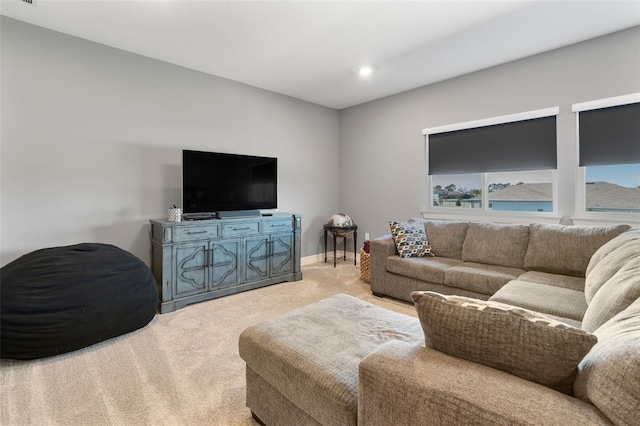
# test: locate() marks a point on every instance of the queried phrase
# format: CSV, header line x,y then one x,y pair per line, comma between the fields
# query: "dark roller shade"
x,y
610,135
520,145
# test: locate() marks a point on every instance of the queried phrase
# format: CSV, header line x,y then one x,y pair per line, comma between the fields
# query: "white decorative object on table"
x,y
175,214
340,220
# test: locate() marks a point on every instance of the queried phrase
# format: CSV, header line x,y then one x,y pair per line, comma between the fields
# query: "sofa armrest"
x,y
407,384
383,246
380,249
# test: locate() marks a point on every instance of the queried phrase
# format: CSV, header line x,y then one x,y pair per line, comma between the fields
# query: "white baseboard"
x,y
319,258
309,260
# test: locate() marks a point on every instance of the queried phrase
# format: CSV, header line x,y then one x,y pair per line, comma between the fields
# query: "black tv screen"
x,y
215,182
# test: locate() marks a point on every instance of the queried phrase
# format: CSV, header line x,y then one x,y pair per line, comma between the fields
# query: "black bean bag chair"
x,y
60,299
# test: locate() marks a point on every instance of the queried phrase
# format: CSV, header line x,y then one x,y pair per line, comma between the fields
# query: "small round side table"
x,y
341,231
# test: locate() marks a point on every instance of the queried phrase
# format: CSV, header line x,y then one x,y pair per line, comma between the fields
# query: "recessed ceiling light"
x,y
365,71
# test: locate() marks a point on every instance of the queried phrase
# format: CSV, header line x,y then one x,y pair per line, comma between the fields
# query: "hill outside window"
x,y
608,173
505,164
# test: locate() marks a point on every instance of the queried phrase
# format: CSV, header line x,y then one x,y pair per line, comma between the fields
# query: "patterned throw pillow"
x,y
521,342
410,239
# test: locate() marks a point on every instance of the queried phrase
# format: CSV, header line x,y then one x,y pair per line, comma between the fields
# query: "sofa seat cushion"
x,y
547,299
480,278
496,244
609,375
311,354
557,280
568,321
566,250
430,269
404,385
515,340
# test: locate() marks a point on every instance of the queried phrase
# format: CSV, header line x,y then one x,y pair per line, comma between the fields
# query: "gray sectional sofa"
x,y
538,266
466,360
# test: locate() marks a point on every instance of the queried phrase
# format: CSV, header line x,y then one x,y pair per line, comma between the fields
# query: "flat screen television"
x,y
218,184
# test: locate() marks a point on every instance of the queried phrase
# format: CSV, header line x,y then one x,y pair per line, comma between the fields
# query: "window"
x,y
504,164
608,179
530,191
457,190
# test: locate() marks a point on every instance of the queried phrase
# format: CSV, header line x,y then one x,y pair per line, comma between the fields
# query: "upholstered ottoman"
x,y
302,367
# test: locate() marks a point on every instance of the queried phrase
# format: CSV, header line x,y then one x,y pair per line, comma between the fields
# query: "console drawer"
x,y
195,232
241,228
278,225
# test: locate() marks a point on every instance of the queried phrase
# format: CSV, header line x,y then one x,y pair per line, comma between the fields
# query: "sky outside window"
x,y
627,175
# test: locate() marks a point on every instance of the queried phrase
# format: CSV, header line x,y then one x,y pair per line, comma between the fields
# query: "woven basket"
x,y
365,266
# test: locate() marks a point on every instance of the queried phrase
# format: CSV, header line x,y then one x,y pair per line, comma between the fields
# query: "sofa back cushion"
x,y
566,250
609,258
612,245
608,376
496,244
446,237
614,296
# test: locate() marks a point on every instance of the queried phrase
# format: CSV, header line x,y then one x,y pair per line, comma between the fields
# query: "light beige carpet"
x,y
181,369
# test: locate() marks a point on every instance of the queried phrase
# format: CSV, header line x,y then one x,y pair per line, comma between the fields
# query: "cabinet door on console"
x,y
191,268
225,271
256,260
281,251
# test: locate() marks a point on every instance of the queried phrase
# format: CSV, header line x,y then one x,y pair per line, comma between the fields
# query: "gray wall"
x,y
381,144
92,137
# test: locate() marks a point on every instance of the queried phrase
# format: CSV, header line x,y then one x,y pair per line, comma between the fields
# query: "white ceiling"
x,y
312,50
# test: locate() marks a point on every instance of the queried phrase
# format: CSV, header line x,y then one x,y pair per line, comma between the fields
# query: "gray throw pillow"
x,y
515,340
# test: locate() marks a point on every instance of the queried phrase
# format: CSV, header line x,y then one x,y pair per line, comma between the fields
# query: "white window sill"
x,y
511,217
612,219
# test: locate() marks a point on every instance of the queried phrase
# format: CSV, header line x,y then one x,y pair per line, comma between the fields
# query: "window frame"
x,y
484,211
581,214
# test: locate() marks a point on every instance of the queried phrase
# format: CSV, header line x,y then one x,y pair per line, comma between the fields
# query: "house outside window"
x,y
501,164
608,174
521,196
